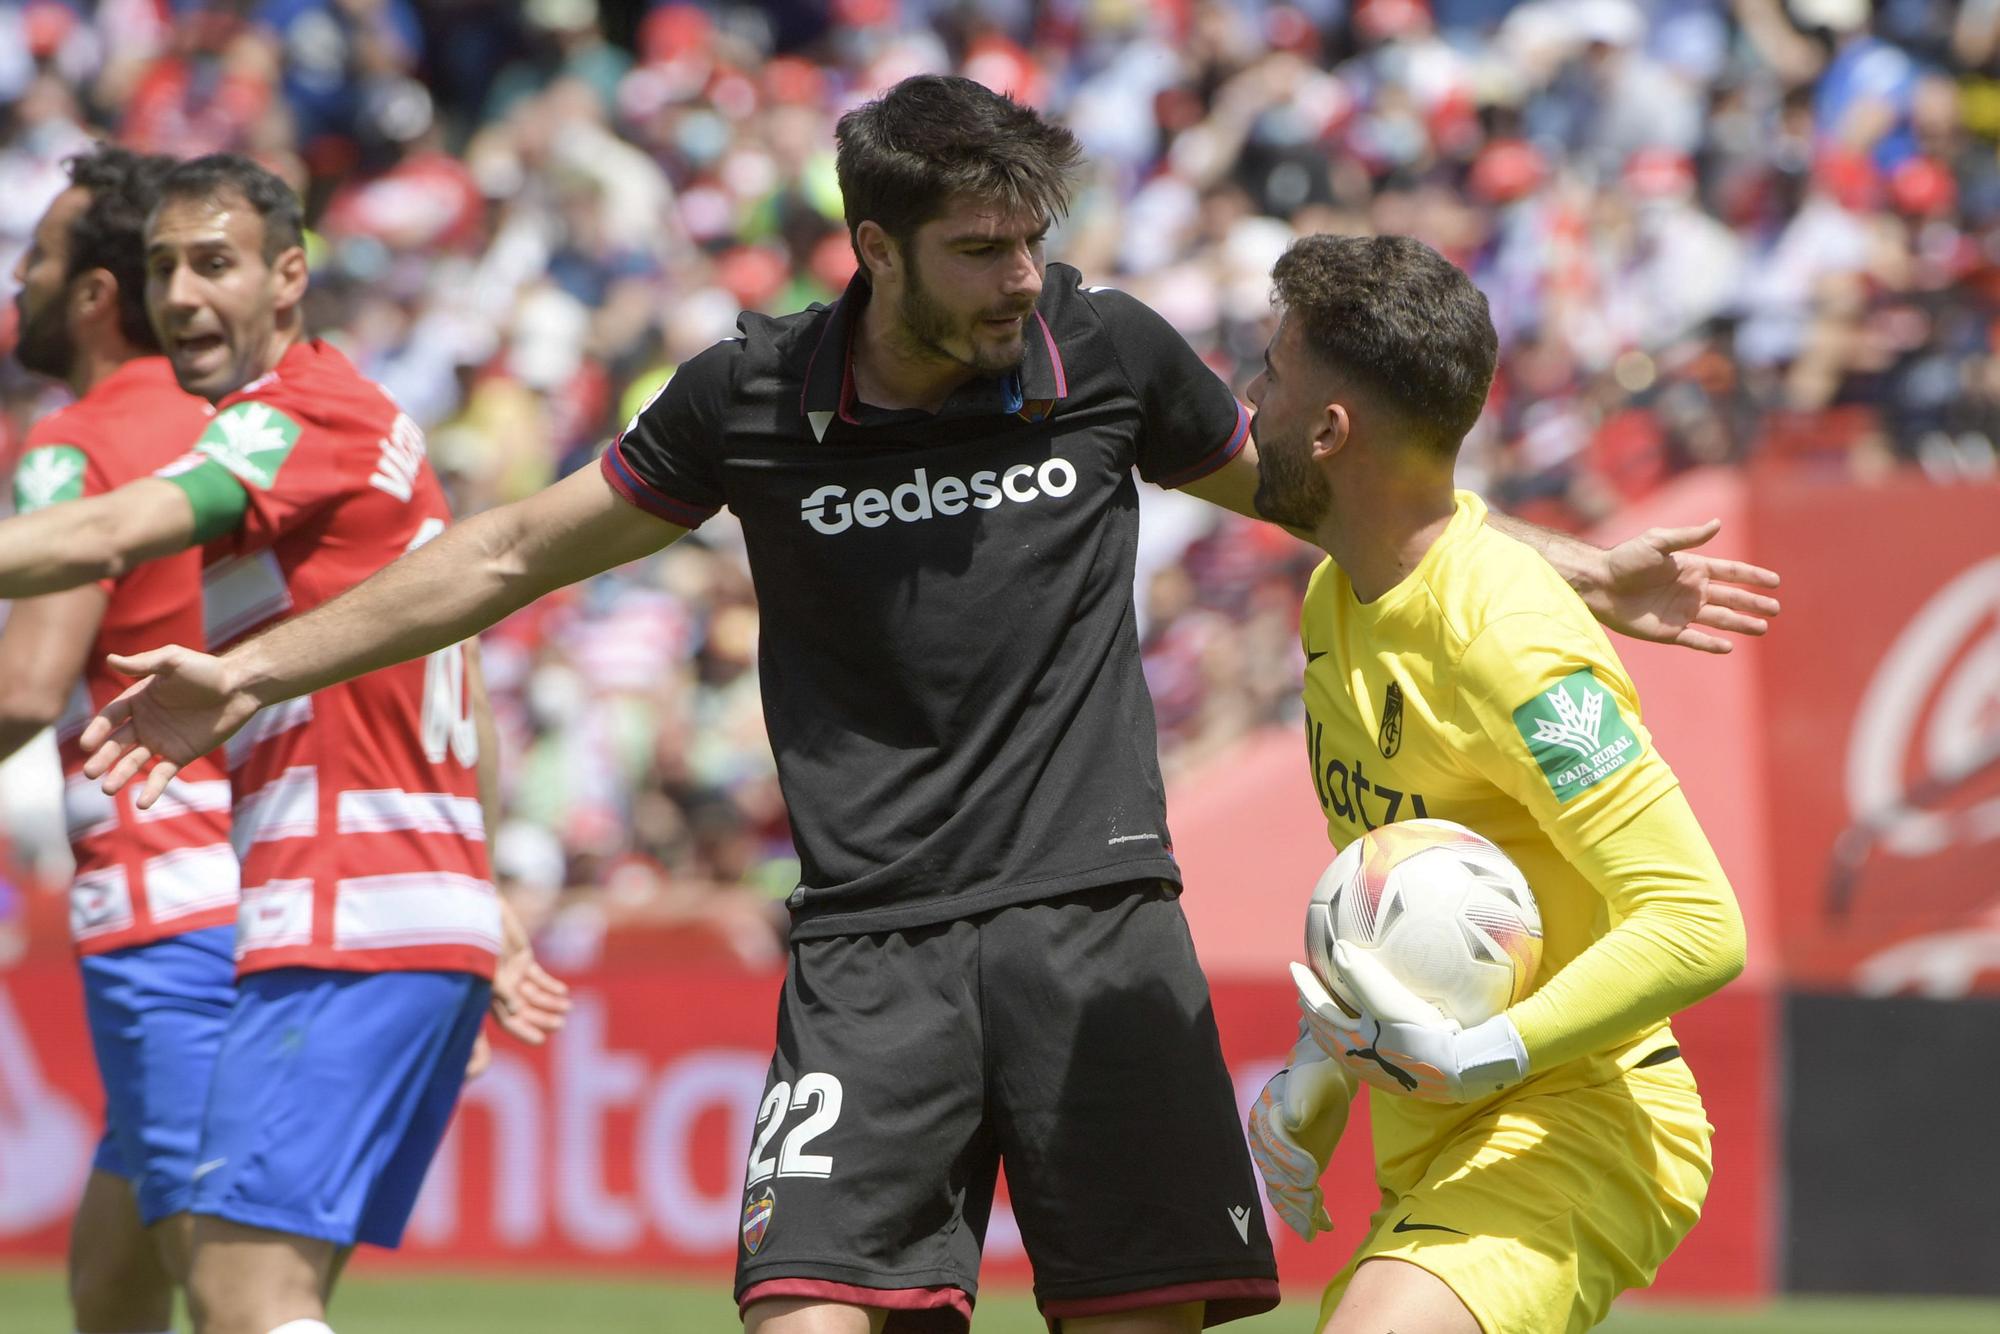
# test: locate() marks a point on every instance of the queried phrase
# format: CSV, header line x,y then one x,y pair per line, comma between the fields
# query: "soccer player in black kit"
x,y
988,960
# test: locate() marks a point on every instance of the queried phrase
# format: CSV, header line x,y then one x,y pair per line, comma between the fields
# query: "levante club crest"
x,y
757,1219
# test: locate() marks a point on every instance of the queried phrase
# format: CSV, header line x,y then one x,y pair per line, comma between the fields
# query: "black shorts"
x,y
1073,1040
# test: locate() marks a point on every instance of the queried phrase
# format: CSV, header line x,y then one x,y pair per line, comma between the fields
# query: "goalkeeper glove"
x,y
1404,1045
1294,1125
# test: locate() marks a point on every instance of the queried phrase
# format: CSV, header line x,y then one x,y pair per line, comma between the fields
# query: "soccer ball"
x,y
1444,910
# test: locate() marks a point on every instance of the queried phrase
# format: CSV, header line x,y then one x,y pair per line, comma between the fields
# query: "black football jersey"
x,y
949,659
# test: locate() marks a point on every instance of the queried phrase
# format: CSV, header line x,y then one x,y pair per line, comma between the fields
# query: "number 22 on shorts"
x,y
820,1093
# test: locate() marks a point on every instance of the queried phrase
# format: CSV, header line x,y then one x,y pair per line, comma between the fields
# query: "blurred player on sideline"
x,y
153,904
1534,1166
369,930
988,961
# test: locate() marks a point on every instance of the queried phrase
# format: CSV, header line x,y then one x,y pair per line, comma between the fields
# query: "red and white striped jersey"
x,y
140,875
357,815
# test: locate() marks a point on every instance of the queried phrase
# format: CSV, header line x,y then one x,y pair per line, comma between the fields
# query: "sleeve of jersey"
x,y
1677,937
1191,423
247,475
58,464
665,460
213,492
1555,724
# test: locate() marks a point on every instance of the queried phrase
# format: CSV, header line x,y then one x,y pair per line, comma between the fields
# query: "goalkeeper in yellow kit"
x,y
1534,1166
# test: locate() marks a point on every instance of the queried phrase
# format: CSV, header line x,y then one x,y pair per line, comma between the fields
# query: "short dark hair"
x,y
1399,321
220,174
110,232
902,157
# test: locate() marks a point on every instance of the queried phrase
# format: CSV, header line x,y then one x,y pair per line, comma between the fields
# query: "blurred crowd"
x,y
1712,232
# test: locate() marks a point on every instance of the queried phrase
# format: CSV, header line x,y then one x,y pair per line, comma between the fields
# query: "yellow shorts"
x,y
1555,1203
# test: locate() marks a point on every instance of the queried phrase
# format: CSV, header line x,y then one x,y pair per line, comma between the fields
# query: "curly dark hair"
x,y
1399,321
220,174
902,157
110,233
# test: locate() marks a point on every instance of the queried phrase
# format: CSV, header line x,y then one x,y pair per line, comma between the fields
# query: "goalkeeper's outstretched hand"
x,y
182,707
1401,1044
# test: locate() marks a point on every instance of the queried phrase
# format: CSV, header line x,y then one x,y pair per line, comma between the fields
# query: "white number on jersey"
x,y
448,725
402,460
448,722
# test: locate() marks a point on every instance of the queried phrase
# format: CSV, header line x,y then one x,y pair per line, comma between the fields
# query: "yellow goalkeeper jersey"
x,y
1480,690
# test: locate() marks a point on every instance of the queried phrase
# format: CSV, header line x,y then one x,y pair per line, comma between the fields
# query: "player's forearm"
x,y
1679,937
447,590
1579,563
450,588
61,547
79,542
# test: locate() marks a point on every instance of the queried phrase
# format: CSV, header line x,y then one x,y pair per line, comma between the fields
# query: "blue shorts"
x,y
330,1096
157,1013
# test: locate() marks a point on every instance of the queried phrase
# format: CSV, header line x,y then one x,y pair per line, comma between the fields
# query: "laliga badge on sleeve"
x,y
757,1219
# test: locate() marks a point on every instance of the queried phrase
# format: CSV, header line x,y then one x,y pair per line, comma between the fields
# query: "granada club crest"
x,y
757,1219
1390,738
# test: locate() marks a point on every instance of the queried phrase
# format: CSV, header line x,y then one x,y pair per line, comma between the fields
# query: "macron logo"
x,y
829,509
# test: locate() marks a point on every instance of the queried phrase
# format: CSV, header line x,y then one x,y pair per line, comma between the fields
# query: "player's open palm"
x,y
179,709
1658,587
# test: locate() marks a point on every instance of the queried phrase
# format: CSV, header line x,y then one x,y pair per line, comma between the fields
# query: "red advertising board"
x,y
1847,767
1881,702
622,1144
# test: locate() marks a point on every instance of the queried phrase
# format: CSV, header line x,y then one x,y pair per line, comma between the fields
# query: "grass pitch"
x,y
32,1299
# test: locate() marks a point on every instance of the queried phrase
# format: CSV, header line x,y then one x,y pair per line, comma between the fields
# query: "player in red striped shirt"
x,y
153,902
369,932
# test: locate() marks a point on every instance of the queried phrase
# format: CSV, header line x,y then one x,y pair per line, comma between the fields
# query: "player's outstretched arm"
x,y
79,542
446,590
1656,586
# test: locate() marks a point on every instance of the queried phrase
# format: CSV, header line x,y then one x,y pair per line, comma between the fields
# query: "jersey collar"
x,y
1030,393
151,372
